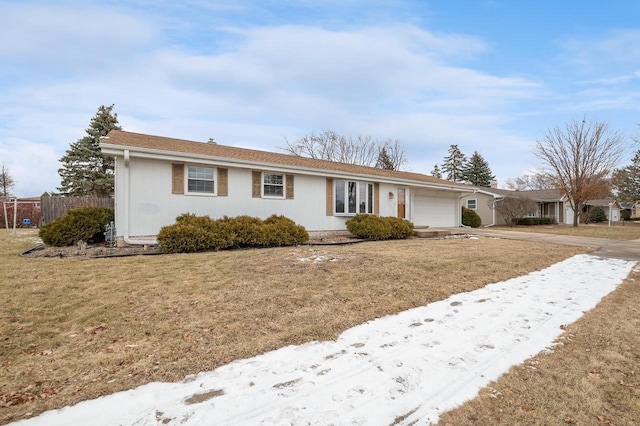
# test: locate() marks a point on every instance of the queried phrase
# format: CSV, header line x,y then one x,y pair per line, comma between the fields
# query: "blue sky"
x,y
489,76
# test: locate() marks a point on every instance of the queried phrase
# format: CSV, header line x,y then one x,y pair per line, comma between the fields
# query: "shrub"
x,y
193,233
470,218
184,238
597,214
625,215
379,228
400,228
84,224
248,231
533,221
282,231
369,227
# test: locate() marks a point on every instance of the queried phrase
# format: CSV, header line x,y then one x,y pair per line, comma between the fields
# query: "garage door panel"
x,y
434,211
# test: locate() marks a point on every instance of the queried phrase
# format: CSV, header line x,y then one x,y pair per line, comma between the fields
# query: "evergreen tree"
x,y
384,161
477,172
85,171
626,181
453,164
436,171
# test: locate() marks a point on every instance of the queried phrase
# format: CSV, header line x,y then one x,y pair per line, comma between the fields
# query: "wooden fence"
x,y
54,206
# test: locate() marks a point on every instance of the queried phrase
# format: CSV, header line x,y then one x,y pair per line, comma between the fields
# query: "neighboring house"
x,y
609,206
159,178
630,208
550,203
482,201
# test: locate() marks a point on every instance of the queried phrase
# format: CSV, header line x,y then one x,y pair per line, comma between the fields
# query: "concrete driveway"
x,y
627,250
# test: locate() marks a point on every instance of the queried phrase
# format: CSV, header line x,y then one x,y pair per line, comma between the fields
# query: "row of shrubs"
x,y
533,221
372,227
83,224
193,233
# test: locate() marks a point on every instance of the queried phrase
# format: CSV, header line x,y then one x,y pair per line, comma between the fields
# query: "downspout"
x,y
459,214
495,200
126,212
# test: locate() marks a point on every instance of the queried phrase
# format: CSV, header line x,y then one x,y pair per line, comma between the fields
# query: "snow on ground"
x,y
407,368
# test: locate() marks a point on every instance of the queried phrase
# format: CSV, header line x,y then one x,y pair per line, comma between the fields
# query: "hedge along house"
x,y
159,178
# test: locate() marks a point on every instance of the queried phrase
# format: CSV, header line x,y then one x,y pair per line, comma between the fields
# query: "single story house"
x,y
482,201
158,178
608,205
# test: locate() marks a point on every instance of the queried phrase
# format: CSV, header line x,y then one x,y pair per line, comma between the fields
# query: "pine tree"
x,y
384,161
453,164
436,171
477,172
85,171
626,181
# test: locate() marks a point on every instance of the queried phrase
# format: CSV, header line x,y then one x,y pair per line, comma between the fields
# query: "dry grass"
x,y
591,378
619,231
74,329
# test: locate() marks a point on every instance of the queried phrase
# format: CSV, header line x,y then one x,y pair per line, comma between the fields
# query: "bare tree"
x,y
363,150
531,182
580,158
6,181
511,208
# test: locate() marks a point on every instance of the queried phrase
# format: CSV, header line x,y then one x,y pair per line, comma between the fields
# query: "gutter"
x,y
126,213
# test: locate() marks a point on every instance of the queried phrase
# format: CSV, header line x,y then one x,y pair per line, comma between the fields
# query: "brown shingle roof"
x,y
159,143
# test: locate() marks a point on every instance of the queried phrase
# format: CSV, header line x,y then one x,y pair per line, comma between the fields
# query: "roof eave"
x,y
118,150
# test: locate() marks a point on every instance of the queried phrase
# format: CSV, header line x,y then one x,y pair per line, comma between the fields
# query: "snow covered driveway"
x,y
405,368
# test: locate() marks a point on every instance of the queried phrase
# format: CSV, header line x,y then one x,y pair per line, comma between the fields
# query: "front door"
x,y
402,211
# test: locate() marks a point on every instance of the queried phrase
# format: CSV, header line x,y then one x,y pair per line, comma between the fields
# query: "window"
x,y
272,185
472,204
200,180
353,197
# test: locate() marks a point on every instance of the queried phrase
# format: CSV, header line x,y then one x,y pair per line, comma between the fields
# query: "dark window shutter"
x,y
329,197
289,187
223,182
177,178
376,199
256,184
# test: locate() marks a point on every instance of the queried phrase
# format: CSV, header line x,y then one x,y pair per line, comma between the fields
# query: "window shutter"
x,y
223,182
329,197
256,185
289,187
177,178
376,199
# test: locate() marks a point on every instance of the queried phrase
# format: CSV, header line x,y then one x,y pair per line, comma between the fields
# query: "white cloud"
x,y
68,36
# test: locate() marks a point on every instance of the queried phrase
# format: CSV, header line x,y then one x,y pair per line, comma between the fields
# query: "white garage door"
x,y
434,211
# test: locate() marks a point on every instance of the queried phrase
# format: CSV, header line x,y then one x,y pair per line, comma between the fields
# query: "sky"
x,y
411,366
488,76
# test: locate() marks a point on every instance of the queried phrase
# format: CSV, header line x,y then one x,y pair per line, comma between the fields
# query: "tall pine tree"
x,y
453,164
85,171
477,172
436,171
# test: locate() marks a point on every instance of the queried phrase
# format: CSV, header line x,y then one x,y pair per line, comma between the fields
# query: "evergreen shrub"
x,y
83,224
400,228
471,218
193,233
533,221
373,227
597,214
